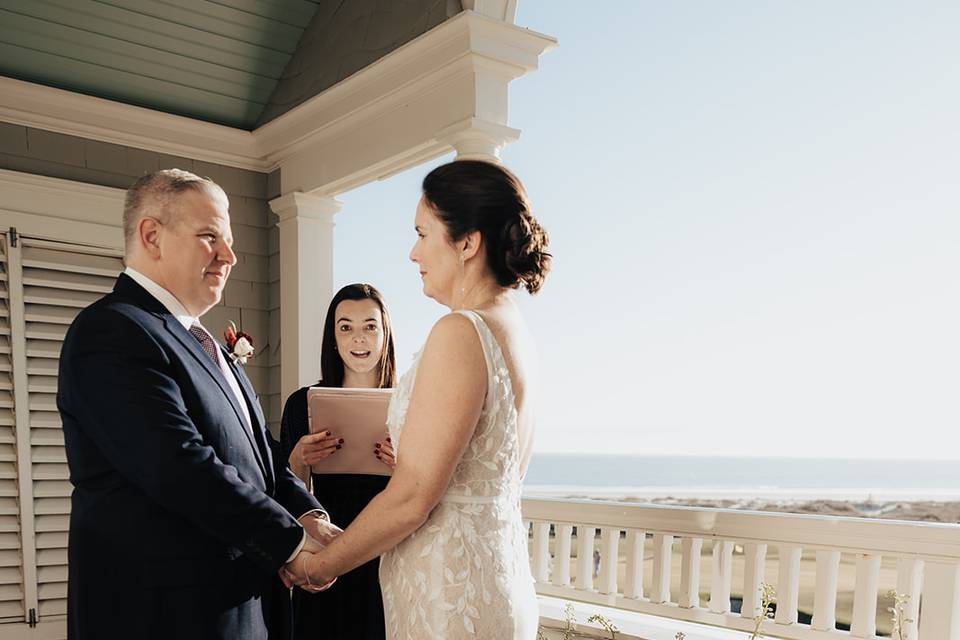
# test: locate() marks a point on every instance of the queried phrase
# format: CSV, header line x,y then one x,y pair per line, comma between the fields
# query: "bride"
x,y
448,523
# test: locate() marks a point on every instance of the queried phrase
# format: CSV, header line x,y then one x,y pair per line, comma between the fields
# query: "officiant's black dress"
x,y
352,608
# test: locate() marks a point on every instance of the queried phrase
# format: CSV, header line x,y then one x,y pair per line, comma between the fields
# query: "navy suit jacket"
x,y
180,515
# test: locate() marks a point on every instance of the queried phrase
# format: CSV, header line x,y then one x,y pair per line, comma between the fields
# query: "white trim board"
x,y
86,214
469,43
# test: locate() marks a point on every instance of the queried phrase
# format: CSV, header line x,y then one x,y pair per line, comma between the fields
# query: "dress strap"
x,y
486,338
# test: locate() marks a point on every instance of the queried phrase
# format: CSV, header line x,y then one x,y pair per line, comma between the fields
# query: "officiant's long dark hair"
x,y
331,364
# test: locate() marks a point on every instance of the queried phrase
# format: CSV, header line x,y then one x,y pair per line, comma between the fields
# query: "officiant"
x,y
357,352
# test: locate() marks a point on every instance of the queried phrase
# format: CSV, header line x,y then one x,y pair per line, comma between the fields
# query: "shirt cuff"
x,y
299,548
321,513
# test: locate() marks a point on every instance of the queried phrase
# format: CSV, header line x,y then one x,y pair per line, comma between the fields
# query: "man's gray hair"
x,y
153,194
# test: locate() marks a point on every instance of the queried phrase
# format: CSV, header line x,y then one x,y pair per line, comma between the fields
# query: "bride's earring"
x,y
463,286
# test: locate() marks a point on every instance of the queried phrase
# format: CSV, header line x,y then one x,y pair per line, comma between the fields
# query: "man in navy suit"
x,y
182,512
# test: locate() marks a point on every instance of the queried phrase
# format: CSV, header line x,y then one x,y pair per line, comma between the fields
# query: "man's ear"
x,y
470,244
148,235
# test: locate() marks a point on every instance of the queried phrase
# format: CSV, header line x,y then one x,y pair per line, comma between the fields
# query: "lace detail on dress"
x,y
465,573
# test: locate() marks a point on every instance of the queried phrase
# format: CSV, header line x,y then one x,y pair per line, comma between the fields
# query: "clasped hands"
x,y
320,533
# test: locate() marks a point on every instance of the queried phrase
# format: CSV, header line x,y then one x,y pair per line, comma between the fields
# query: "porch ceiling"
x,y
214,60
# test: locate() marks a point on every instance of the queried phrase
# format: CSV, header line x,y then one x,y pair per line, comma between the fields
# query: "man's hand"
x,y
320,529
297,572
320,532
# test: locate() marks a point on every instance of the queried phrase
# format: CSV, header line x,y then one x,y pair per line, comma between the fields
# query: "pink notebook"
x,y
359,416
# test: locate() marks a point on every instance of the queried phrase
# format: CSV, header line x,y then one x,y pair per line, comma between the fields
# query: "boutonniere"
x,y
239,344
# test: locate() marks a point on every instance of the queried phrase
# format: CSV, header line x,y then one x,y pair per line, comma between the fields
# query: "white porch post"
x,y
306,283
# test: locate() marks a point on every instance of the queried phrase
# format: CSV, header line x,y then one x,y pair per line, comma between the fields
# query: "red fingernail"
x,y
388,438
338,446
327,433
341,441
378,445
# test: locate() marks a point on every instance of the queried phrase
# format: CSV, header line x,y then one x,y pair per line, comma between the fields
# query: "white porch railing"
x,y
919,560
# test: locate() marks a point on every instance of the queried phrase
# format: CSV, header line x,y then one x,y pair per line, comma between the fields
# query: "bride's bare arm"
x,y
445,406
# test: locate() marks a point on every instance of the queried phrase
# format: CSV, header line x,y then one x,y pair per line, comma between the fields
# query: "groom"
x,y
181,509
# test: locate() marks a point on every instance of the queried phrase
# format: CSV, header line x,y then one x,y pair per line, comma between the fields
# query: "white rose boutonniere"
x,y
239,344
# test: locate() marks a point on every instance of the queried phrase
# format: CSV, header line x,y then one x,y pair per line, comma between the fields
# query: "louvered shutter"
x,y
11,558
58,281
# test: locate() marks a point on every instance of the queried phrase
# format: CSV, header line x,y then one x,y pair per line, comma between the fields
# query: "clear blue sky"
x,y
754,212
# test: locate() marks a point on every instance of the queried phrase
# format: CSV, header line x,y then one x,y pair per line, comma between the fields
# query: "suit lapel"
x,y
194,348
256,413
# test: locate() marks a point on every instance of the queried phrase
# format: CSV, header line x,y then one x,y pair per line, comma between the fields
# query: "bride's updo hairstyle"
x,y
473,195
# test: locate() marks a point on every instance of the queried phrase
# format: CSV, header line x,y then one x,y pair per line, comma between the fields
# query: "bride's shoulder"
x,y
454,332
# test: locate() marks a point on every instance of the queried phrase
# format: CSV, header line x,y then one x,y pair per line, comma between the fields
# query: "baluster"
x,y
754,555
662,555
909,583
585,535
690,572
561,556
609,559
864,624
825,598
634,586
940,618
722,576
541,552
788,584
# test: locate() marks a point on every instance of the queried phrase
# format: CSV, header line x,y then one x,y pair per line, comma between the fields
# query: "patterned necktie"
x,y
206,342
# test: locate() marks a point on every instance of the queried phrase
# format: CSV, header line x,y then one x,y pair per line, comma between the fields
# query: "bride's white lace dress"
x,y
465,572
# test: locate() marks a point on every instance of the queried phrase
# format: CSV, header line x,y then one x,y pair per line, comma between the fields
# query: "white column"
x,y
721,576
662,555
634,577
754,555
825,596
692,549
476,139
541,552
585,536
909,584
788,584
609,559
864,622
306,283
505,10
940,603
561,555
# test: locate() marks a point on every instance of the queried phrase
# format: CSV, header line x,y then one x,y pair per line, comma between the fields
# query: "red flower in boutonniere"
x,y
239,344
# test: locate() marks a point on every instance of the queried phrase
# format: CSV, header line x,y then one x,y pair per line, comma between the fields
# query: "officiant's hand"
x,y
385,453
314,447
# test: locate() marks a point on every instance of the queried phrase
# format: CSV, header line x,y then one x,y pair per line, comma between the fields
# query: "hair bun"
x,y
475,195
524,244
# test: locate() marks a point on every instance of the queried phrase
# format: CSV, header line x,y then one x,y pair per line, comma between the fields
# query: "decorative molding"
x,y
76,114
304,205
476,139
461,60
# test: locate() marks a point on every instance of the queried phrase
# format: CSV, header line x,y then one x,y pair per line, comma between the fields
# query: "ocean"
x,y
714,477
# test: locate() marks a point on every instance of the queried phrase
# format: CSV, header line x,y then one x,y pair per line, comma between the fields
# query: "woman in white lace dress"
x,y
448,524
